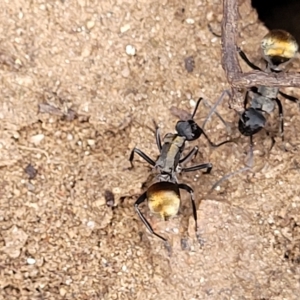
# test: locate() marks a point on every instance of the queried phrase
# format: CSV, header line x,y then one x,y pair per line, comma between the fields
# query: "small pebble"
x,y
192,103
189,64
30,171
31,261
62,291
130,50
210,16
90,24
109,198
125,28
190,21
91,142
91,224
126,72
36,139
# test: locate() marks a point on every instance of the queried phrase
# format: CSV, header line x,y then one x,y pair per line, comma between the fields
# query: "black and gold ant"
x,y
164,195
278,48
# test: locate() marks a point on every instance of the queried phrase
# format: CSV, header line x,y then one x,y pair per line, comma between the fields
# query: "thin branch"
x,y
270,79
230,61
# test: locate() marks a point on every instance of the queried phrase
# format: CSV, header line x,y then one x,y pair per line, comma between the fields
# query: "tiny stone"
x,y
109,198
30,187
189,63
36,139
190,21
31,261
126,72
86,52
91,142
125,28
62,292
130,50
116,190
90,24
18,62
90,224
30,171
209,16
192,103
20,15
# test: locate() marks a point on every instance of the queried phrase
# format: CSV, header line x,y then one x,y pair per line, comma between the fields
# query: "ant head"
x,y
188,129
279,47
251,121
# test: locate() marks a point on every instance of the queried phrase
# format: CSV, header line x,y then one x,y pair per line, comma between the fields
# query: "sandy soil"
x,y
59,238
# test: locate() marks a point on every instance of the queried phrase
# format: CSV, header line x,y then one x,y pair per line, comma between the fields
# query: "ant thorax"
x,y
268,91
264,98
172,149
262,103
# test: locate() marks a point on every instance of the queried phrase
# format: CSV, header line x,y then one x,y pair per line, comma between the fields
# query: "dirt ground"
x,y
59,238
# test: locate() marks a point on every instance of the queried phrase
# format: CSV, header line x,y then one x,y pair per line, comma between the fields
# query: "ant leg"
x,y
219,101
211,30
228,176
196,107
273,140
246,60
158,139
215,145
246,100
141,154
250,161
157,136
290,98
209,105
281,128
207,166
191,192
249,166
140,200
189,156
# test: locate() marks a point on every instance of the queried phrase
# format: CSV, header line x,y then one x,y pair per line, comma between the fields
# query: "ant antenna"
x,y
211,143
212,31
246,60
249,166
226,92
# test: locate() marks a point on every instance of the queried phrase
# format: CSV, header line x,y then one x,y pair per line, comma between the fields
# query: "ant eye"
x,y
188,129
251,121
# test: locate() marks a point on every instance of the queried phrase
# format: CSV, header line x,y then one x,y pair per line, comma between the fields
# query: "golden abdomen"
x,y
164,199
279,43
